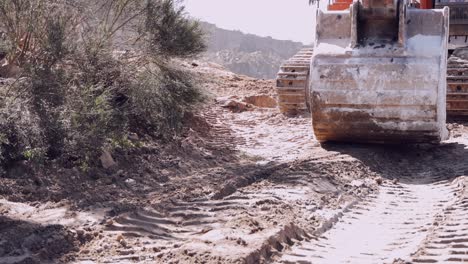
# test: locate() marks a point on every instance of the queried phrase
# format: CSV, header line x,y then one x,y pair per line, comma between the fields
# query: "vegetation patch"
x,y
86,77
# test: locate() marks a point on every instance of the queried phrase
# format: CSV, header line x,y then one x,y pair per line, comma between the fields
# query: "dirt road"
x,y
383,228
416,214
407,219
258,189
410,218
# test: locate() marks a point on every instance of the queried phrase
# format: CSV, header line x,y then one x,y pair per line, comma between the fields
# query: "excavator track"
x,y
292,81
457,86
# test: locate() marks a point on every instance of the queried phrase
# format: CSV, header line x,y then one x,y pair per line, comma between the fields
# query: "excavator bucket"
x,y
378,74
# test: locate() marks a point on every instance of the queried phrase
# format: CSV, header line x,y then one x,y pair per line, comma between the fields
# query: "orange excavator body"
x,y
426,4
339,5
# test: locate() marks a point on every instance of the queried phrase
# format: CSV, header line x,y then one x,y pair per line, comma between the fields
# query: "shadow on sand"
x,y
412,164
27,242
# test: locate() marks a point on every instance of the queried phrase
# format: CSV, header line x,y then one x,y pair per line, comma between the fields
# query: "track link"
x,y
292,81
457,87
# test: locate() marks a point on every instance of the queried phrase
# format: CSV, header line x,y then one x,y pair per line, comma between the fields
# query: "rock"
x,y
237,106
109,222
223,100
379,180
242,242
124,243
357,183
130,181
156,249
106,160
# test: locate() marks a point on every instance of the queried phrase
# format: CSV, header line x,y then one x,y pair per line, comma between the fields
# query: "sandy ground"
x,y
252,186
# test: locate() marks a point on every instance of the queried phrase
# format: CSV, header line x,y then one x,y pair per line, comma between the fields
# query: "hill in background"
x,y
247,54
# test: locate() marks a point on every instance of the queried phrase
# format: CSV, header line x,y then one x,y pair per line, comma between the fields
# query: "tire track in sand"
x,y
448,241
381,229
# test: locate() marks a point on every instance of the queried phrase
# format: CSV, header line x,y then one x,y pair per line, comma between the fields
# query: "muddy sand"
x,y
245,185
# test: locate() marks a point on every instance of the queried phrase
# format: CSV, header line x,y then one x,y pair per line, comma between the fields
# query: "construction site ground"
x,y
246,184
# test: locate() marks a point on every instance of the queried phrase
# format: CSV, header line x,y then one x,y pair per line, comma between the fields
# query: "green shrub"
x,y
36,29
170,33
77,97
19,129
48,83
93,111
159,100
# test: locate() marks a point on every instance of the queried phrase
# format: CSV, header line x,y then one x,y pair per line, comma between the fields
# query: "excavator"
x,y
378,73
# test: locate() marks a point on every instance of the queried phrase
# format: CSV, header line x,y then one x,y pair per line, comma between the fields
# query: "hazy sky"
x,y
280,19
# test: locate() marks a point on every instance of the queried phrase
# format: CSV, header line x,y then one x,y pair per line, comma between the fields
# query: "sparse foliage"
x,y
169,90
19,130
33,29
169,33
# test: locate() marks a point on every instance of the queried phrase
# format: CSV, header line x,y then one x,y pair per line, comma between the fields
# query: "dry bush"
x,y
94,110
75,93
35,30
159,100
169,33
20,135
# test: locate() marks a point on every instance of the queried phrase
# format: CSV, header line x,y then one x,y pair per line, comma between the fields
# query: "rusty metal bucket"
x,y
379,80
